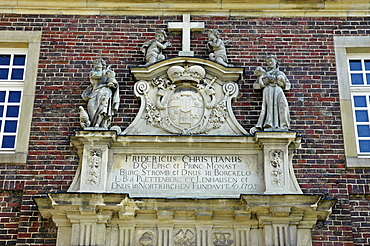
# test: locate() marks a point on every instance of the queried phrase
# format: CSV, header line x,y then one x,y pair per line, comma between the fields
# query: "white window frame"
x,y
349,47
13,52
367,95
11,85
4,118
29,42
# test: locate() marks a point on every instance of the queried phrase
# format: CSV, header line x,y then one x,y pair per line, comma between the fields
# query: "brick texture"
x,y
70,43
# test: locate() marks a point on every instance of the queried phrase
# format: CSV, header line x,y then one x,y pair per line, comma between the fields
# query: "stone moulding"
x,y
186,96
108,219
271,8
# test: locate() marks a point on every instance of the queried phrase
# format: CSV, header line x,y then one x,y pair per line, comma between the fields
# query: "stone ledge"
x,y
279,205
171,7
255,219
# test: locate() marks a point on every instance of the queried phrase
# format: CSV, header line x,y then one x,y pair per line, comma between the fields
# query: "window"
x,y
12,69
19,52
359,79
353,69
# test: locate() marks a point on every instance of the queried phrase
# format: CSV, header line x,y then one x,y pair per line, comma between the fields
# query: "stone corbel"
x,y
128,208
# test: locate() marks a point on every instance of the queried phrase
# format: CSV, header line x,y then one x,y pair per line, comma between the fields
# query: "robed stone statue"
x,y
275,109
102,96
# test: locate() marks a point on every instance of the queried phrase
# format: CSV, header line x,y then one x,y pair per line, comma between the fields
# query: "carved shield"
x,y
185,107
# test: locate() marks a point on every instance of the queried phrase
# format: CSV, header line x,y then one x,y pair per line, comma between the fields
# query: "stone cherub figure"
x,y
152,49
275,109
217,47
102,96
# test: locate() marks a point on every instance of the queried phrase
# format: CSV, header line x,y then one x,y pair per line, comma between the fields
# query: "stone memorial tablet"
x,y
202,176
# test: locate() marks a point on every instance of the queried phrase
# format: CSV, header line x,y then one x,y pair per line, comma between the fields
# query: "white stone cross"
x,y
186,26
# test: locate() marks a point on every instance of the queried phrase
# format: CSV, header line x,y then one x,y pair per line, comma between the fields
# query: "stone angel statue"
x,y
217,47
152,49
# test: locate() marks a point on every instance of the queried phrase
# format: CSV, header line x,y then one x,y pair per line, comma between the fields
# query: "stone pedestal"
x,y
278,148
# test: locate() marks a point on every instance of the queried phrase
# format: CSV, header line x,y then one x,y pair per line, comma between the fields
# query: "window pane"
x,y
14,96
4,73
8,142
360,101
361,116
1,111
356,79
363,131
17,74
19,60
367,65
4,59
355,65
368,78
2,96
12,111
364,145
10,126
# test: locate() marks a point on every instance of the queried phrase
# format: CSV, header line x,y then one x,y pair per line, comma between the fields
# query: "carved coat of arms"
x,y
184,100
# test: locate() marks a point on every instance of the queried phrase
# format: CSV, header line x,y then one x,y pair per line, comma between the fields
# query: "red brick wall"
x,y
10,204
69,44
360,216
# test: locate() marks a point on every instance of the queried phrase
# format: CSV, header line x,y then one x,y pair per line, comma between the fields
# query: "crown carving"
x,y
193,73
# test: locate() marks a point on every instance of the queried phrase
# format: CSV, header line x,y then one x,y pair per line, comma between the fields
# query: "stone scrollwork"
x,y
152,115
219,113
94,164
276,161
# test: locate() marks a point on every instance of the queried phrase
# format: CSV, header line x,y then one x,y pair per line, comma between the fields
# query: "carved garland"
x,y
95,161
276,161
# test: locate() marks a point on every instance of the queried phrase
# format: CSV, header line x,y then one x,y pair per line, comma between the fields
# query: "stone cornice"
x,y
243,8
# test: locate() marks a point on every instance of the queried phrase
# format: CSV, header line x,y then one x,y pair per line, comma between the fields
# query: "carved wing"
x,y
145,46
